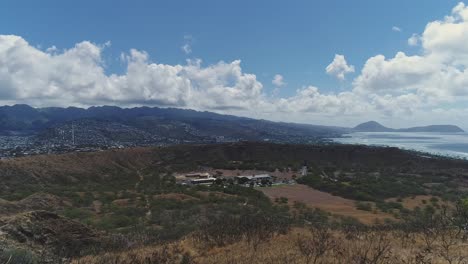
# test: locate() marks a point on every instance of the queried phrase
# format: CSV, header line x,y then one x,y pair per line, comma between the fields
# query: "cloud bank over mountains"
x,y
430,86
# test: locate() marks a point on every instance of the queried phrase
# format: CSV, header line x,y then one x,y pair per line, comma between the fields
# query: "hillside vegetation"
x,y
124,206
342,169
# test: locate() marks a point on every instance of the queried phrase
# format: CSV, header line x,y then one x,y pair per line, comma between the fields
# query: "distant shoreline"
x,y
435,144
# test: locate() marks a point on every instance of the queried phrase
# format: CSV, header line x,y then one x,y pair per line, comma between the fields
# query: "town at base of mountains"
x,y
25,130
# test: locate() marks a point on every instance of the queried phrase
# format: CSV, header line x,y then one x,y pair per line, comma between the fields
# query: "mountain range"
x,y
148,126
373,126
140,126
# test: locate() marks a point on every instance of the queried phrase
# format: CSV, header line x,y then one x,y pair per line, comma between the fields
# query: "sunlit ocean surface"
x,y
447,144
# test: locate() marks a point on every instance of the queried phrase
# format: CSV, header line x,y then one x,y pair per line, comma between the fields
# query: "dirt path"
x,y
141,178
325,201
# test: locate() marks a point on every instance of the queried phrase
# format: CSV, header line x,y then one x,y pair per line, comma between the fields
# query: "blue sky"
x,y
296,39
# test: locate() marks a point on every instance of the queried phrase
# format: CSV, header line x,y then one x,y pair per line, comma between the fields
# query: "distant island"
x,y
373,126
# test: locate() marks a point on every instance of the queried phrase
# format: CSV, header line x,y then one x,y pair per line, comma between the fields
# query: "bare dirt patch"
x,y
121,202
325,201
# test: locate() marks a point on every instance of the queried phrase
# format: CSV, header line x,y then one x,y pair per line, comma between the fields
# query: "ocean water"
x,y
447,144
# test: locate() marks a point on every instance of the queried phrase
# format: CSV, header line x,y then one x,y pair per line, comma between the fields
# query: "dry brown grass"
x,y
166,254
302,246
74,167
417,201
325,201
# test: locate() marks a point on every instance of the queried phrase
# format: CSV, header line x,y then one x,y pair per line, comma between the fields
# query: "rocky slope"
x,y
44,236
37,201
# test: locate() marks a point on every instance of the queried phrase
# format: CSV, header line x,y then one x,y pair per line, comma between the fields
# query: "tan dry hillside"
x,y
325,201
299,246
72,168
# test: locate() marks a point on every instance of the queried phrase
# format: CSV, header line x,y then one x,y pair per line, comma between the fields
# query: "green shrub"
x,y
17,256
77,213
364,206
388,206
116,221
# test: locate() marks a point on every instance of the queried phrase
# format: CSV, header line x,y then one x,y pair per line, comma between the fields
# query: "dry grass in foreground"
x,y
300,245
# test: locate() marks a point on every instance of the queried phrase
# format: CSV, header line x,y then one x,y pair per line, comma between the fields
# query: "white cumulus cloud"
x,y
339,67
414,40
438,74
76,76
187,47
278,80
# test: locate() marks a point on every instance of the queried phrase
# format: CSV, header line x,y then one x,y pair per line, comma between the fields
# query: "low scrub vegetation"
x,y
142,216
